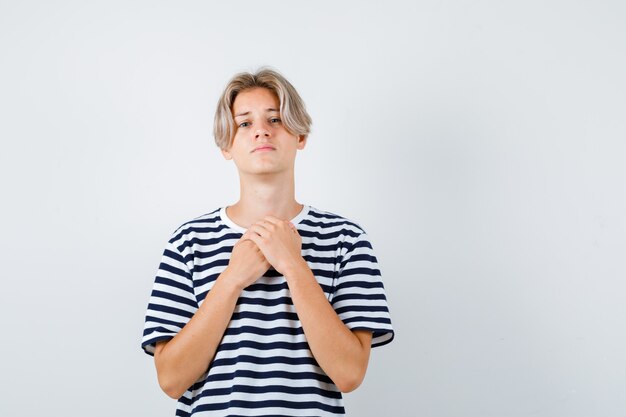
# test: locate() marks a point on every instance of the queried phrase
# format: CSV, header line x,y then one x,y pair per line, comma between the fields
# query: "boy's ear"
x,y
301,141
226,154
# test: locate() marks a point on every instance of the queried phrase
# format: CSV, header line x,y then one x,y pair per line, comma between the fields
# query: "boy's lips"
x,y
263,148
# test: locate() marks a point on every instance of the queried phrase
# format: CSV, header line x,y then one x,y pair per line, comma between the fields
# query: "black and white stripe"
x,y
263,365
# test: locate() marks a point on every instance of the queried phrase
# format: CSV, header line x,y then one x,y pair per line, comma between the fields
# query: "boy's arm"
x,y
181,360
343,354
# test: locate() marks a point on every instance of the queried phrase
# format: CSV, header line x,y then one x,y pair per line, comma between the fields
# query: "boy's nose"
x,y
262,131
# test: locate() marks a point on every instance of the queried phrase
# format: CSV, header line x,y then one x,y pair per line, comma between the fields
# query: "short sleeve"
x,y
359,295
172,301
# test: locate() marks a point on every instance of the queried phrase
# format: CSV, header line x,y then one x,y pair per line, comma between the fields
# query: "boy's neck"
x,y
261,199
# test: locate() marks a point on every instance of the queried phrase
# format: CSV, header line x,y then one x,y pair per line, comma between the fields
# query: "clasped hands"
x,y
269,242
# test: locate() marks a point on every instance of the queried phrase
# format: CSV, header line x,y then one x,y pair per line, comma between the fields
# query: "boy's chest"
x,y
272,288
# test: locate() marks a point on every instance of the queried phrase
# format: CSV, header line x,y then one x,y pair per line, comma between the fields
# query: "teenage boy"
x,y
267,307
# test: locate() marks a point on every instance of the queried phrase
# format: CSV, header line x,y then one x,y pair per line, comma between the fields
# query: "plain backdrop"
x,y
481,144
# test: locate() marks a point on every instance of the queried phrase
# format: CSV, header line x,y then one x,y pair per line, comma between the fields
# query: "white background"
x,y
481,145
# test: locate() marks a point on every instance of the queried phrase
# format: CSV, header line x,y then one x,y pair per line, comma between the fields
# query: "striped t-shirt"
x,y
263,365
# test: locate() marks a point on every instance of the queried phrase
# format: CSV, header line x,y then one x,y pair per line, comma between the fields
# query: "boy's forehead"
x,y
248,99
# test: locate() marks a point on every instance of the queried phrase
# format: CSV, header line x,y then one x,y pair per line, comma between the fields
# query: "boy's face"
x,y
261,144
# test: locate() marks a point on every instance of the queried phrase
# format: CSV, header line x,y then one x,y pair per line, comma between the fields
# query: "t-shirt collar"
x,y
240,229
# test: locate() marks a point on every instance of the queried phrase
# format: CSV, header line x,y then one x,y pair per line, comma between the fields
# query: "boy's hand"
x,y
279,241
247,263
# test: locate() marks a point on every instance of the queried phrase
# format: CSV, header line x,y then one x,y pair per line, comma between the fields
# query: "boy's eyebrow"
x,y
247,112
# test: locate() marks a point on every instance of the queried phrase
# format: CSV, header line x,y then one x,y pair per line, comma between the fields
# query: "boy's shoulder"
x,y
209,218
328,219
204,223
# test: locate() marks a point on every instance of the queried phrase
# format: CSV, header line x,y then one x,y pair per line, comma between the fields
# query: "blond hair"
x,y
292,110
